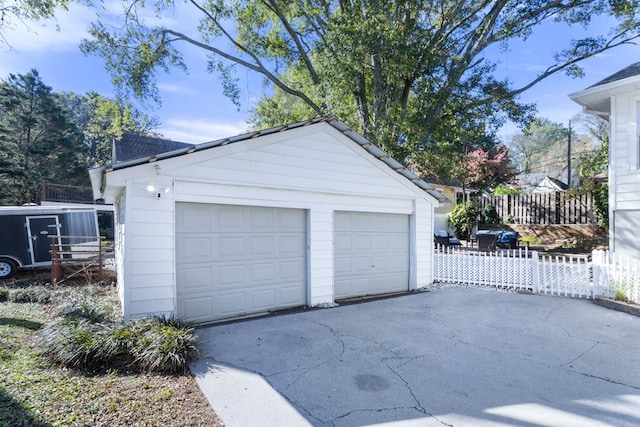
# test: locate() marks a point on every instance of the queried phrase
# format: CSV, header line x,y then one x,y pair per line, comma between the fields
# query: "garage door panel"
x,y
199,308
264,299
371,253
291,220
228,218
192,248
228,304
195,278
256,261
293,269
231,274
261,245
291,245
261,272
193,217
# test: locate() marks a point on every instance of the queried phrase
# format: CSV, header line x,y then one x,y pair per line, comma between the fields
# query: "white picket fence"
x,y
616,276
570,276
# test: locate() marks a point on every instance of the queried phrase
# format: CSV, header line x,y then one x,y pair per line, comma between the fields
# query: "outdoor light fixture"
x,y
154,189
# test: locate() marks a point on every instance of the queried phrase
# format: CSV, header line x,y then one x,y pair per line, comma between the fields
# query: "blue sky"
x,y
194,110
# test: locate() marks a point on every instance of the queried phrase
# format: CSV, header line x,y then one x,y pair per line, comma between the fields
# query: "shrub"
x,y
463,218
4,294
489,215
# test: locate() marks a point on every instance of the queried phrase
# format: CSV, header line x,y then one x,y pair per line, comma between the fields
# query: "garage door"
x,y
371,253
236,260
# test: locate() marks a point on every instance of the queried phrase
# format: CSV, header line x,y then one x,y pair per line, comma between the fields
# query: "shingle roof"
x,y
132,146
630,71
370,147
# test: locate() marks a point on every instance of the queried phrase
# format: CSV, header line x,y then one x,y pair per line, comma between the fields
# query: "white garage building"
x,y
298,215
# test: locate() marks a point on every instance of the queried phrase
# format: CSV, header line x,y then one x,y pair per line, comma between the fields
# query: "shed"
x,y
304,214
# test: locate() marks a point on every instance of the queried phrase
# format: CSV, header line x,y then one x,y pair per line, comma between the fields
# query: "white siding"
x,y
625,173
315,168
149,265
317,158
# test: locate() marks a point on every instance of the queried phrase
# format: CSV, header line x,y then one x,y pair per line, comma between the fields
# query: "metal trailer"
x,y
27,233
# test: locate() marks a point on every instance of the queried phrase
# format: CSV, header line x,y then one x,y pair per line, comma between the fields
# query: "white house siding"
x,y
316,169
120,249
149,262
625,182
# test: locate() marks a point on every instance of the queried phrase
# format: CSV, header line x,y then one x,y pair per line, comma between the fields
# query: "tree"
x,y
38,141
102,120
24,11
487,170
543,149
410,75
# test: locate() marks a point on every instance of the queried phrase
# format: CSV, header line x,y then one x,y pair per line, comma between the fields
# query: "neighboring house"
x,y
529,182
617,99
132,146
453,195
304,214
550,185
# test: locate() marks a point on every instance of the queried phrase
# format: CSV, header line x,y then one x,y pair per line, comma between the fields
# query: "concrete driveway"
x,y
450,357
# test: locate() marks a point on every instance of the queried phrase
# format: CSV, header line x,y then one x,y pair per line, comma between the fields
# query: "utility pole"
x,y
569,158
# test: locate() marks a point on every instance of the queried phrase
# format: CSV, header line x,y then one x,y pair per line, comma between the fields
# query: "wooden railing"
x,y
75,255
66,193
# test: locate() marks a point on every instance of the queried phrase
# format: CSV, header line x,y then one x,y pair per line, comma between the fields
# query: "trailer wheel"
x,y
8,268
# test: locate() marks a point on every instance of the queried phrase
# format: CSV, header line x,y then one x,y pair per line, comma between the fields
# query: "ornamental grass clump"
x,y
75,343
164,345
31,294
149,344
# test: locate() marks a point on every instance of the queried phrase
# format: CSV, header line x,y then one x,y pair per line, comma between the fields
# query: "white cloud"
x,y
61,34
201,130
177,88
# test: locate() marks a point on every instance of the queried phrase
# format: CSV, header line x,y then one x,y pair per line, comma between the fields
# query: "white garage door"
x,y
371,253
235,260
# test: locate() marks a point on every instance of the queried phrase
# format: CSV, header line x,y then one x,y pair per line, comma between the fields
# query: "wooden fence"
x,y
542,208
569,276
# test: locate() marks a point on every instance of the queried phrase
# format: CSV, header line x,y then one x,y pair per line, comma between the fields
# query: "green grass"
x,y
35,392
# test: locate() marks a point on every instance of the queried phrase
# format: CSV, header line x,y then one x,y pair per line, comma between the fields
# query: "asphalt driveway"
x,y
455,357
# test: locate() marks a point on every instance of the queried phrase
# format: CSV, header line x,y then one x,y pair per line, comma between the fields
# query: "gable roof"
x,y
630,71
596,99
369,147
132,146
549,183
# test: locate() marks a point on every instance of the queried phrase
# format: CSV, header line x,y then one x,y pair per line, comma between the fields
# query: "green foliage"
x,y
38,141
504,189
164,345
489,215
530,240
21,12
149,344
4,294
102,120
463,218
411,76
31,294
620,291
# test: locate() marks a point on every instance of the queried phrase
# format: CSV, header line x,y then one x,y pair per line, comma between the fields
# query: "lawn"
x,y
34,392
